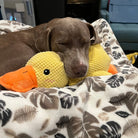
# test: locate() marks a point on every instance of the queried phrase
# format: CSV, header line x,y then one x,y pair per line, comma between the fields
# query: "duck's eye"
x,y
46,71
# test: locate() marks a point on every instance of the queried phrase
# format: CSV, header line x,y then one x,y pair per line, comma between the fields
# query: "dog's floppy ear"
x,y
42,42
92,33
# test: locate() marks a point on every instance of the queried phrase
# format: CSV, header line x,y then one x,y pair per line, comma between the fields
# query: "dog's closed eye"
x,y
62,43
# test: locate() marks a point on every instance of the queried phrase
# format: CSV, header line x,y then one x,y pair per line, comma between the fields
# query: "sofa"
x,y
123,20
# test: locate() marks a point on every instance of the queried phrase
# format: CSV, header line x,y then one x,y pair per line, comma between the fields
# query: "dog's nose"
x,y
79,70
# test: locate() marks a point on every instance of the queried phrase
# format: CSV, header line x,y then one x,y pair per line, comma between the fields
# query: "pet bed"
x,y
98,107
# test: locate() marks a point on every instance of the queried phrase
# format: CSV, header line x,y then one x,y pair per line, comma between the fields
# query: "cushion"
x,y
118,9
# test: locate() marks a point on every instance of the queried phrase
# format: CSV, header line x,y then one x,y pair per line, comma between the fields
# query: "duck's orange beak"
x,y
20,80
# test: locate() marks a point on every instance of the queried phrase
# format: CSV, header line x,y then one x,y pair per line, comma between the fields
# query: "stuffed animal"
x,y
99,64
45,69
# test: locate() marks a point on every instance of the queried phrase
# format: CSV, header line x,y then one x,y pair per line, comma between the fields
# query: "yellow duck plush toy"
x,y
45,69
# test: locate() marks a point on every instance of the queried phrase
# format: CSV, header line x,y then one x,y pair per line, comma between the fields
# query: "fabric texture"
x,y
97,107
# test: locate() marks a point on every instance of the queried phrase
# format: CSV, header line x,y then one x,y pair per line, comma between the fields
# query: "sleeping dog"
x,y
69,37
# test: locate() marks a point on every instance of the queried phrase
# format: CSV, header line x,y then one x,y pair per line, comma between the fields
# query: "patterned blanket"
x,y
97,107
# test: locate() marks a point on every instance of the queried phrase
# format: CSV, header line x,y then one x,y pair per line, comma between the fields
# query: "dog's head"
x,y
70,38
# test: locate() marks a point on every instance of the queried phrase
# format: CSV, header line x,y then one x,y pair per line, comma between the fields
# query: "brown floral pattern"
x,y
97,107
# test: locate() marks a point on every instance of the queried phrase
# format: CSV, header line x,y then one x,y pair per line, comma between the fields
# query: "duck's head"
x,y
49,69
